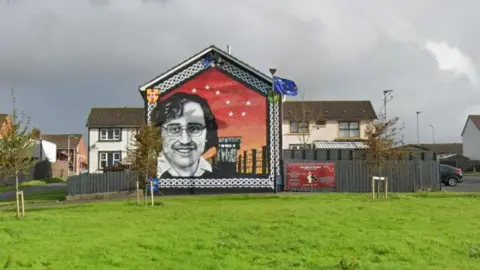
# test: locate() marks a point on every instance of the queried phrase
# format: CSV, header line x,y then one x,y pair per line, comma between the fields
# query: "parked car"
x,y
450,176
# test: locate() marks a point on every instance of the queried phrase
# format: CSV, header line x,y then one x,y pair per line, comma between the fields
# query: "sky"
x,y
64,57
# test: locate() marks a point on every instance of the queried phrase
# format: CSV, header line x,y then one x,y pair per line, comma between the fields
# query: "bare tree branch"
x,y
16,146
145,147
383,139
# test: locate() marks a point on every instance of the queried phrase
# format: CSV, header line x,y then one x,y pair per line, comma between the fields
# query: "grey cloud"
x,y
64,57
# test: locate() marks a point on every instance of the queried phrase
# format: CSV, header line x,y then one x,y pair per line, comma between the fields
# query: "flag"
x,y
284,86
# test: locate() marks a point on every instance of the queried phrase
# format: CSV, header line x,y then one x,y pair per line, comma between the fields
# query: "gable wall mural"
x,y
217,125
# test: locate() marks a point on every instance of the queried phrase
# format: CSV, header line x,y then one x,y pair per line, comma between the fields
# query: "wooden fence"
x,y
412,172
102,182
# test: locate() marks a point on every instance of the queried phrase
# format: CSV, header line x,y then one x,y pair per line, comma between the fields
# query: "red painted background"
x,y
297,175
239,110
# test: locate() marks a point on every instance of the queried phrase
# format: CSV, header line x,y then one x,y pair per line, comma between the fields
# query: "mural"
x,y
212,127
217,125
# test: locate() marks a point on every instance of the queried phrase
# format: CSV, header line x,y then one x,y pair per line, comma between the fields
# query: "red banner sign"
x,y
301,175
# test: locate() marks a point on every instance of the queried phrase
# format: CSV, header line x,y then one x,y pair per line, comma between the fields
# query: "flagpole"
x,y
275,147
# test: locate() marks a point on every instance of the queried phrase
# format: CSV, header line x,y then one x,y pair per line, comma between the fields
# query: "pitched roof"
x,y
440,148
116,117
196,57
61,140
339,145
475,119
326,110
445,148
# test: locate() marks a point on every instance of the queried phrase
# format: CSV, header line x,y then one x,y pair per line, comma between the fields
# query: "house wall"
x,y
471,141
45,150
329,132
120,146
81,157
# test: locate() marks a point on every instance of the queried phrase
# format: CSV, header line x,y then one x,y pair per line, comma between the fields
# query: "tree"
x,y
16,147
382,143
143,152
303,116
36,133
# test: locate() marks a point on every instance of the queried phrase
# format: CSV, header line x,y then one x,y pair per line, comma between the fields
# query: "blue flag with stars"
x,y
284,86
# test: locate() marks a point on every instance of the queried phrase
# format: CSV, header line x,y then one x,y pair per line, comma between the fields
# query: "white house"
x,y
325,124
110,133
45,150
471,137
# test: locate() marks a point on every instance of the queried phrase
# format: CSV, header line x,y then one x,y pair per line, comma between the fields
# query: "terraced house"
x,y
110,133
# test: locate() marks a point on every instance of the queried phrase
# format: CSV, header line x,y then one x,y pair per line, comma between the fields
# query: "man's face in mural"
x,y
184,137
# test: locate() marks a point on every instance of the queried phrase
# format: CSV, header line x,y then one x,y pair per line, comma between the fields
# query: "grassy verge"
x,y
34,183
471,174
38,197
325,231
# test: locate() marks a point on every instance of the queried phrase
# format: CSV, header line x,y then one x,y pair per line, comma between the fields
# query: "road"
x,y
29,190
470,184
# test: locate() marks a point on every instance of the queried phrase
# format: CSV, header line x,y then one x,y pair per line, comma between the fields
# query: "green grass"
x,y
34,183
420,231
471,173
44,196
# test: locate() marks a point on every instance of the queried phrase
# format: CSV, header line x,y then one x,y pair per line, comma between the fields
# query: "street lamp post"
x,y
418,127
385,101
433,135
68,154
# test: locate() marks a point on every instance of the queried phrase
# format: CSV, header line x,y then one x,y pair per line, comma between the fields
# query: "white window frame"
x,y
110,134
104,157
349,130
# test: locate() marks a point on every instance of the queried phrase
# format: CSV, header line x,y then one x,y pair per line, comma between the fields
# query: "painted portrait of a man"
x,y
188,129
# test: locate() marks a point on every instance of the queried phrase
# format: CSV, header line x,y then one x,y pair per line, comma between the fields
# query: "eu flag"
x,y
284,86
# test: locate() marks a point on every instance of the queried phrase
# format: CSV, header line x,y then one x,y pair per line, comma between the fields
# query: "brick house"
x,y
74,145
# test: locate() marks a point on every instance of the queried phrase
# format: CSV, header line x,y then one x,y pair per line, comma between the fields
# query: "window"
x,y
321,123
299,146
298,127
110,134
349,130
108,159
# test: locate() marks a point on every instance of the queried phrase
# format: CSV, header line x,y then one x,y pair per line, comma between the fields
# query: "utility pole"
x,y
433,136
418,127
386,95
68,155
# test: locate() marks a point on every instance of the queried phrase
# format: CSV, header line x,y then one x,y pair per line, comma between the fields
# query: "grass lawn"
x,y
34,183
419,231
46,196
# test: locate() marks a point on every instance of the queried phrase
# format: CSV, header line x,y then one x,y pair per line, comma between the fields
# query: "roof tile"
x,y
325,110
118,117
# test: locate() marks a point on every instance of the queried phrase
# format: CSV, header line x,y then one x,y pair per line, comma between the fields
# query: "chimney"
x,y
229,49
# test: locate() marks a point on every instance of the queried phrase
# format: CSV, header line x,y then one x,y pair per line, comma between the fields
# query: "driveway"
x,y
470,184
29,190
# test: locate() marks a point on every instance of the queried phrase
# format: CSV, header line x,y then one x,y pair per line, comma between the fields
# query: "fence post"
x,y
138,193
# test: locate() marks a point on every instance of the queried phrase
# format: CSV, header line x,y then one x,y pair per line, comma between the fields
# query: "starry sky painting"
x,y
239,110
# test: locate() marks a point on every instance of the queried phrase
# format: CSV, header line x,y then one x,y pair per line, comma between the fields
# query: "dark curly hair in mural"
x,y
173,108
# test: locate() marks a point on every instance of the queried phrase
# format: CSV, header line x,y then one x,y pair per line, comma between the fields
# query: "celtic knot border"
x,y
274,138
